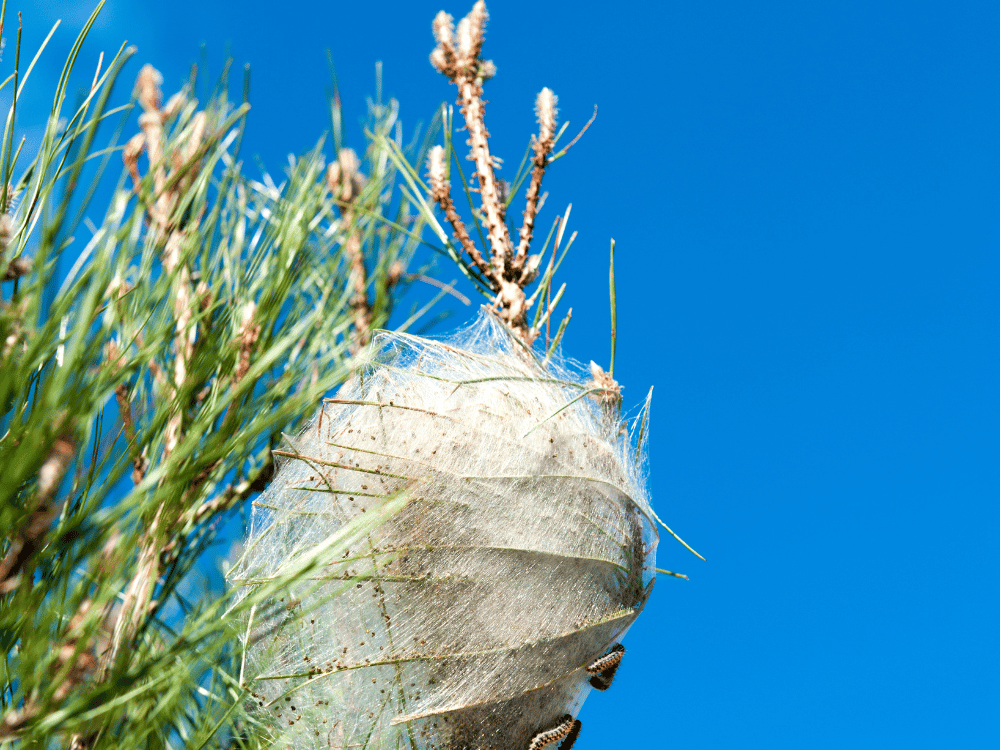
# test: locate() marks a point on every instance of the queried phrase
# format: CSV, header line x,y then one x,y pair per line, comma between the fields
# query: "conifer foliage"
x,y
168,326
153,348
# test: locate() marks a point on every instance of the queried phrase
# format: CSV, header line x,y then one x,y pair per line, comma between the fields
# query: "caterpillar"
x,y
571,737
567,729
602,671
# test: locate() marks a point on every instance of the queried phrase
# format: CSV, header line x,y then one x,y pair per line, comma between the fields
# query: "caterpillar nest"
x,y
485,539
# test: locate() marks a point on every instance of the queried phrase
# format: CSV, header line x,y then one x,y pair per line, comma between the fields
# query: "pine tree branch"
x,y
545,109
441,193
345,183
26,542
509,270
210,314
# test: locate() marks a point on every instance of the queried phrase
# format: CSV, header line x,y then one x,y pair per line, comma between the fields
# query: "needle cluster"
x,y
203,313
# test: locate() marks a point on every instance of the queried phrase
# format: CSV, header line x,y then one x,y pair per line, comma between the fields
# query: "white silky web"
x,y
521,550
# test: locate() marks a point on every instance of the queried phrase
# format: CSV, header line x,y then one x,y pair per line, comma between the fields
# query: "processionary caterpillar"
x,y
574,732
602,671
567,729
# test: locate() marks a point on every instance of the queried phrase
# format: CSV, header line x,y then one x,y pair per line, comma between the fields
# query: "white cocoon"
x,y
522,551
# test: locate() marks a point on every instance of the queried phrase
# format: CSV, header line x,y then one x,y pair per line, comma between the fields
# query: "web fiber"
x,y
523,551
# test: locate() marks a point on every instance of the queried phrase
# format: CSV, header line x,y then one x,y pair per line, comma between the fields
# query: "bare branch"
x,y
464,68
545,109
441,193
72,664
30,539
346,183
457,56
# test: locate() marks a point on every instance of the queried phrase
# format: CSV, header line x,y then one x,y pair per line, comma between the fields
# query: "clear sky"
x,y
805,199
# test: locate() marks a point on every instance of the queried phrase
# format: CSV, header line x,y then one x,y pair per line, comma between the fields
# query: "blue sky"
x,y
805,200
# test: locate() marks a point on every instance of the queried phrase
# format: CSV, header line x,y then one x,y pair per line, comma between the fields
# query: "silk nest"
x,y
479,531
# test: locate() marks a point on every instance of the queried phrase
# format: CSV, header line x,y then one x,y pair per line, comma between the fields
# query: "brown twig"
x,y
607,391
70,667
151,124
234,494
345,182
17,267
545,109
577,137
441,193
114,360
464,68
507,271
30,539
184,166
130,156
183,160
6,233
246,339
